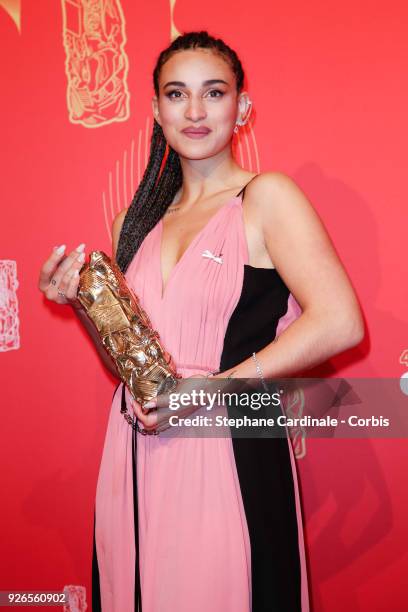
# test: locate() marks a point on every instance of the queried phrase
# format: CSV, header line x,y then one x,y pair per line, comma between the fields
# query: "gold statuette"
x,y
125,329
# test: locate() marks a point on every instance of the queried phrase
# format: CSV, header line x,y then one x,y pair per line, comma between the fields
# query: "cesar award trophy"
x,y
125,329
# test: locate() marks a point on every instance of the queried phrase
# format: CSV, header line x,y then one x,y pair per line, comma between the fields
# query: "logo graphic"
x,y
13,8
96,63
173,30
9,322
76,598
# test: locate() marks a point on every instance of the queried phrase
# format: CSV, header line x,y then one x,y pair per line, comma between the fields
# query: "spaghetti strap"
x,y
244,187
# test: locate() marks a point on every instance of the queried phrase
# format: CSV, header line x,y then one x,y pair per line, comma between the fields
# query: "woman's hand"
x,y
59,276
157,419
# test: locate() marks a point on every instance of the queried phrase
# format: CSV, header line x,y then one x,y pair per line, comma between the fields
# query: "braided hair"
x,y
161,181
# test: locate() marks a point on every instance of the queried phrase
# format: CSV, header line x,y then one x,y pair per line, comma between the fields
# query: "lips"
x,y
196,131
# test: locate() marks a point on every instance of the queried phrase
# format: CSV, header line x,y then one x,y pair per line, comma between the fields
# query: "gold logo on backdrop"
x,y
13,8
9,320
174,32
96,62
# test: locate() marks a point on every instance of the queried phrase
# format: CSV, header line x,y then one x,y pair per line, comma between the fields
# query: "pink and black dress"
x,y
210,524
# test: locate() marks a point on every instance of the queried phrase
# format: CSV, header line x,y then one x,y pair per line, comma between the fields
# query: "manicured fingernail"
x,y
76,273
149,405
81,257
80,247
60,249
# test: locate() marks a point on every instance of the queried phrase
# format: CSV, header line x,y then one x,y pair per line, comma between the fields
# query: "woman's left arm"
x,y
305,258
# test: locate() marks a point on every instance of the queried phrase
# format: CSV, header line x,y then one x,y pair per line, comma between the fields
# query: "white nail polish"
x,y
80,247
81,257
61,249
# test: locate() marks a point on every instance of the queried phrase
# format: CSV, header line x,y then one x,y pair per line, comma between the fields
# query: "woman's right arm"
x,y
64,270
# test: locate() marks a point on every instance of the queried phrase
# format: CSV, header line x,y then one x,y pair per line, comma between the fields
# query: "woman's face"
x,y
187,101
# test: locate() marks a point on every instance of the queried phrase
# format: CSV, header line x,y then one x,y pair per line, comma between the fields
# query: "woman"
x,y
210,523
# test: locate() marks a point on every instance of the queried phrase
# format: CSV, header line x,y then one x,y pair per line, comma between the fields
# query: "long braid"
x,y
156,191
150,200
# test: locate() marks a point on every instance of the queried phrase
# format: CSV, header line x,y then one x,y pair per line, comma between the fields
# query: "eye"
x,y
177,91
169,94
216,91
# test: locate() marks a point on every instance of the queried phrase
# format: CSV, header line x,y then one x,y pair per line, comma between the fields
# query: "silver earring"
x,y
243,122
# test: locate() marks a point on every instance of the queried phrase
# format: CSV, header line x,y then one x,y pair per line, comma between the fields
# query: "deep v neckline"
x,y
192,243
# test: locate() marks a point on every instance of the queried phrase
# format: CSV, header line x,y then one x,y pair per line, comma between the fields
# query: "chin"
x,y
198,150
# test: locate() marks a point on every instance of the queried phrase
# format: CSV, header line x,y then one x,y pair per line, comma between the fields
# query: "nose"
x,y
195,109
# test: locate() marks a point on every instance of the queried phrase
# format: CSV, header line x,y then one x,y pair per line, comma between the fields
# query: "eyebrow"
x,y
205,83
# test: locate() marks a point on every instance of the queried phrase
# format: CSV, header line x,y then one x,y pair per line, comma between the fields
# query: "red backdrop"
x,y
330,93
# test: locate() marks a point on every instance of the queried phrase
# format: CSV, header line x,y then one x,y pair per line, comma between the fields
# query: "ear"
x,y
244,108
155,108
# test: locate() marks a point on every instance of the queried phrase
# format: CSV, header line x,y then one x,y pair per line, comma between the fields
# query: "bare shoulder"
x,y
275,201
116,228
277,189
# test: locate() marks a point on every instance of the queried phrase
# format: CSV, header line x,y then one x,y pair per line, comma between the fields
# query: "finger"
x,y
56,293
160,402
149,421
50,266
149,405
61,289
54,263
72,274
74,257
72,289
57,261
69,286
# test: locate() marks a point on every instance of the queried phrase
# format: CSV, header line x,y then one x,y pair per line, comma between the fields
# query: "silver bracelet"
x,y
259,371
